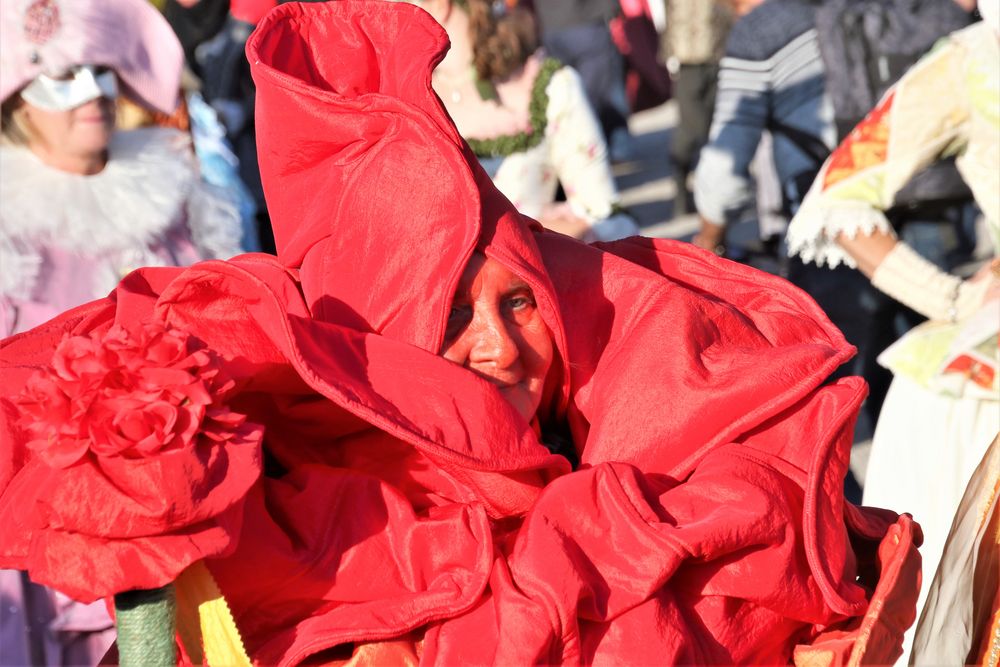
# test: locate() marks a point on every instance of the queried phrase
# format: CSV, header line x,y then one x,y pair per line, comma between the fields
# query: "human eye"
x,y
520,304
62,75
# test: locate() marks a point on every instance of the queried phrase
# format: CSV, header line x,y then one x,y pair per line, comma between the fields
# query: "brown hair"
x,y
502,40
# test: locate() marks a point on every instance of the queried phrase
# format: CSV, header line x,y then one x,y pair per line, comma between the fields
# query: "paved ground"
x,y
647,188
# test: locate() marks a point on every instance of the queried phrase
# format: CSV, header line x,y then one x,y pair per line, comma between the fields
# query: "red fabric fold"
x,y
136,469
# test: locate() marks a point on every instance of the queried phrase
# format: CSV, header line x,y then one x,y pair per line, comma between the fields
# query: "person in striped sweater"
x,y
772,87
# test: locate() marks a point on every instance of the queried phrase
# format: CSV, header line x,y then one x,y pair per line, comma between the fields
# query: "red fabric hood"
x,y
366,178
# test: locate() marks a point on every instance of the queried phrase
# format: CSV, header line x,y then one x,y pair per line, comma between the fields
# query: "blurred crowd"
x,y
859,139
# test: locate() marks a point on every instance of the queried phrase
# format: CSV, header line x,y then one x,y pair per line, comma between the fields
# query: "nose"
x,y
492,345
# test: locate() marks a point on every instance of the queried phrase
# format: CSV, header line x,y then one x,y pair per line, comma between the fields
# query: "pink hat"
x,y
130,36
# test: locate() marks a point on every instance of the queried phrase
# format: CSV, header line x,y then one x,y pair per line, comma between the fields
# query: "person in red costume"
x,y
482,442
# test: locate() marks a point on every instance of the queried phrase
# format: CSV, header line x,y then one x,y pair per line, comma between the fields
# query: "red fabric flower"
x,y
136,452
128,394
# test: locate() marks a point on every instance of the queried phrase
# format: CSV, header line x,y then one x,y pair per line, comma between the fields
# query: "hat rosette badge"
x,y
41,22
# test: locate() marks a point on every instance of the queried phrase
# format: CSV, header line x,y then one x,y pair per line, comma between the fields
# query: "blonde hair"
x,y
14,128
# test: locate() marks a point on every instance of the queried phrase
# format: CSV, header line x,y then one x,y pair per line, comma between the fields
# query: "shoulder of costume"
x,y
140,194
559,84
971,37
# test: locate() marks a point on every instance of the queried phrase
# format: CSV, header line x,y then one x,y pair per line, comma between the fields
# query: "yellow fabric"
x,y
205,624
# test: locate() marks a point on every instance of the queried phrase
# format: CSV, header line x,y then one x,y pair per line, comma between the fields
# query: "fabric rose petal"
x,y
137,465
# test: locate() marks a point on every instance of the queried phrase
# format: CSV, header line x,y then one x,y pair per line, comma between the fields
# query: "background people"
x,y
772,74
943,407
81,205
784,76
695,39
527,118
576,32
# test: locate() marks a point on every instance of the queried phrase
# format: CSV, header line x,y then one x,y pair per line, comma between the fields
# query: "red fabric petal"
x,y
88,568
167,512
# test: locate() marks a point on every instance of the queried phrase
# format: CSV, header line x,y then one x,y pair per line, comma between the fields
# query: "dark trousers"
x,y
694,90
589,49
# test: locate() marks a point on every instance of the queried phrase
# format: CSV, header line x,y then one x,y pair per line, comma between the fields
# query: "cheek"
x,y
536,349
45,127
52,128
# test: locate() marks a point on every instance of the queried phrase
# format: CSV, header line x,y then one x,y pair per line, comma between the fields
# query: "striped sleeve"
x,y
752,89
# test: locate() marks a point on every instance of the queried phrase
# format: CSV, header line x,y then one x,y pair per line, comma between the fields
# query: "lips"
x,y
94,118
502,383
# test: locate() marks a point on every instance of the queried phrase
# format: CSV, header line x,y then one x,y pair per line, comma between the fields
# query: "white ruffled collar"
x,y
138,196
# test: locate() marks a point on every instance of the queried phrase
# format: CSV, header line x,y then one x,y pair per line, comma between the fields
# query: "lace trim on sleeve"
x,y
813,233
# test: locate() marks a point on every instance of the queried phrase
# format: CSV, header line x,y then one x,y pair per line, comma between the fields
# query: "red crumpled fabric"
x,y
135,466
402,497
251,11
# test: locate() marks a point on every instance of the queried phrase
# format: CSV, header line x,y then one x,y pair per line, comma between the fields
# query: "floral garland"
x,y
508,144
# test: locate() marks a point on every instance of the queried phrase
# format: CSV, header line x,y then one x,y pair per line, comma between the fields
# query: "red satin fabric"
x,y
402,496
250,11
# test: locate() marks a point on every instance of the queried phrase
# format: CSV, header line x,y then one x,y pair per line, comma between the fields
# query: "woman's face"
x,y
78,132
495,330
71,115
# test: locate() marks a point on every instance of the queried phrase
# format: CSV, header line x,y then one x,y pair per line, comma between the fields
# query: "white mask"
x,y
990,11
83,84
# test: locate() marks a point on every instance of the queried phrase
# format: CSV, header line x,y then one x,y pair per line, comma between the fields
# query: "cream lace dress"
x,y
943,408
